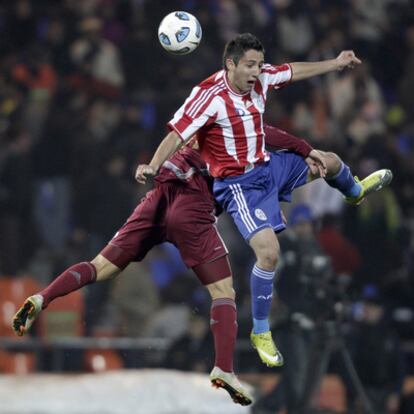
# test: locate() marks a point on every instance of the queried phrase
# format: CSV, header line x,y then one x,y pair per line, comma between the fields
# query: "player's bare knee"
x,y
222,289
268,257
104,268
266,248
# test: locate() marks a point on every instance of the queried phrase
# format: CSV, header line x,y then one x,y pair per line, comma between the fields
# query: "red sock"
x,y
71,279
223,324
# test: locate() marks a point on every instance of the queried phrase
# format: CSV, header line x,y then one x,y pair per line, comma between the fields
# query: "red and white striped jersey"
x,y
229,125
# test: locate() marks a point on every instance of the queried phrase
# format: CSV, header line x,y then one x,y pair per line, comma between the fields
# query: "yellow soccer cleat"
x,y
266,348
27,314
229,382
374,182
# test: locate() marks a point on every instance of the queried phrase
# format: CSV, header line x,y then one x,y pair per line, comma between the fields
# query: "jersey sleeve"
x,y
193,114
278,139
276,76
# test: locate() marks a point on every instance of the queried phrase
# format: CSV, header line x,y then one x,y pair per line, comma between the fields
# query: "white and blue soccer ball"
x,y
179,33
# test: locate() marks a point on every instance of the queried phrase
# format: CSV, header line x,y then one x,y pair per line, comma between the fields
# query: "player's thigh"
x,y
217,277
144,228
191,227
214,273
252,201
289,171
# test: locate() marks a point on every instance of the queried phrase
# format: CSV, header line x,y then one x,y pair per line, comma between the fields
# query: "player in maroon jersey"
x,y
179,210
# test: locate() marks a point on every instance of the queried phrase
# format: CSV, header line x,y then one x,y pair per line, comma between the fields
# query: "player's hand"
x,y
316,163
347,59
143,172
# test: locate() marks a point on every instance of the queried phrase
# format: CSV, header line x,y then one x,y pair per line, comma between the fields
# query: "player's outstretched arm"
x,y
168,146
278,139
304,70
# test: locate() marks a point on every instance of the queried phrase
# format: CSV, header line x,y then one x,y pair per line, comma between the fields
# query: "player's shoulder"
x,y
215,81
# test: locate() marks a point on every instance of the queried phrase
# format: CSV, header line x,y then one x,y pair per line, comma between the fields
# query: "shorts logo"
x,y
260,214
265,297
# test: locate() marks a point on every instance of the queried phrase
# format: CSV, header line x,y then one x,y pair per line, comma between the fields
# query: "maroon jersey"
x,y
186,167
278,139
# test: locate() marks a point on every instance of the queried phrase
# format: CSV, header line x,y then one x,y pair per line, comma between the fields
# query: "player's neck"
x,y
232,85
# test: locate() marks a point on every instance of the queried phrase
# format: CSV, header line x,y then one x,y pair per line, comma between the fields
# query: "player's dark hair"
x,y
238,46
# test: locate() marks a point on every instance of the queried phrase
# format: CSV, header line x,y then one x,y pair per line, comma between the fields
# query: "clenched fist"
x,y
143,172
347,59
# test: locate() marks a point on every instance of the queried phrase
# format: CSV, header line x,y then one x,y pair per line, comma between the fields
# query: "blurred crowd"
x,y
86,91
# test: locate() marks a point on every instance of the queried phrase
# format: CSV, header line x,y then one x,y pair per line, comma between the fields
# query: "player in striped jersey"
x,y
226,112
180,210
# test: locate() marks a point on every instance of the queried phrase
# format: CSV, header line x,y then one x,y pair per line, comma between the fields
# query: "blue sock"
x,y
345,182
261,285
261,325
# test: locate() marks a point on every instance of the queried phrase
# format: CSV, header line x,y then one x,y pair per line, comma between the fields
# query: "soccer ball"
x,y
179,33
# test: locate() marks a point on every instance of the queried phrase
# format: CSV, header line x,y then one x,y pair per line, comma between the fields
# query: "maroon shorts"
x,y
171,213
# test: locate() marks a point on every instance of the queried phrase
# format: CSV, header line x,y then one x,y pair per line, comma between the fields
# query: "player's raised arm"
x,y
304,70
168,146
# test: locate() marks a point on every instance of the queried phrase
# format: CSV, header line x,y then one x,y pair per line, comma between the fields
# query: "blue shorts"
x,y
252,199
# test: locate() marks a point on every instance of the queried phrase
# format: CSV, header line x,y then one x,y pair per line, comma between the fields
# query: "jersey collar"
x,y
226,81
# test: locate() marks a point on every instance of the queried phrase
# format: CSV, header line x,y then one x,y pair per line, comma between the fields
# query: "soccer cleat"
x,y
229,381
374,182
27,314
266,348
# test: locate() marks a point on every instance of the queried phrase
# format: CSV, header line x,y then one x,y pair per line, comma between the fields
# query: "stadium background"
x,y
85,93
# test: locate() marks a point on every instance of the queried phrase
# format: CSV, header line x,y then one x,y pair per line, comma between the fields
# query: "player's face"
x,y
244,75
